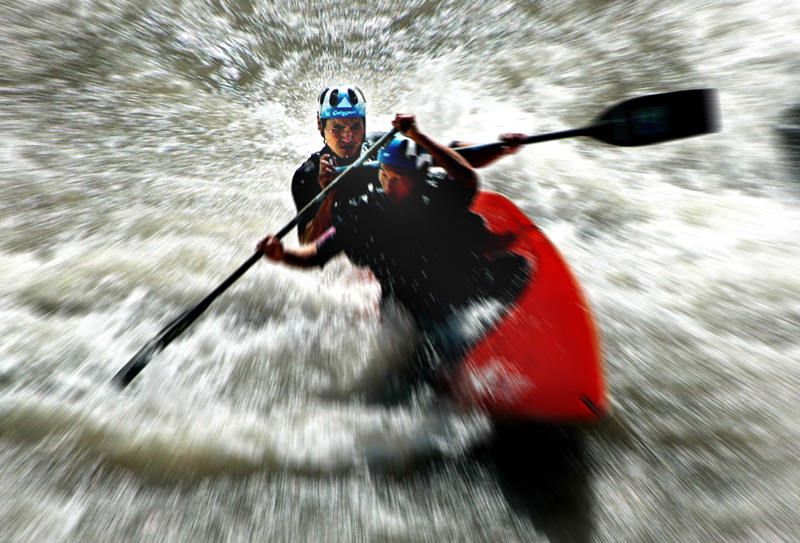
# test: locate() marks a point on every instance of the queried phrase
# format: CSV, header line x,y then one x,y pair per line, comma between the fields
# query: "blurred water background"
x,y
146,146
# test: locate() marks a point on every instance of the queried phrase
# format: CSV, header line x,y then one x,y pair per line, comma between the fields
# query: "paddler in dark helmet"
x,y
413,230
342,121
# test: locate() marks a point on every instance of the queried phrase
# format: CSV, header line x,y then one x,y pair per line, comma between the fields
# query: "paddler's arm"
x,y
322,219
454,164
311,255
479,158
301,257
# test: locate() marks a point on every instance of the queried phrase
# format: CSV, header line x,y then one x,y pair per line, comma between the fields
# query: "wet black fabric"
x,y
429,256
426,253
305,182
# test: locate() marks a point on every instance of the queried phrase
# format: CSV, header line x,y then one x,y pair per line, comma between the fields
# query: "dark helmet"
x,y
402,152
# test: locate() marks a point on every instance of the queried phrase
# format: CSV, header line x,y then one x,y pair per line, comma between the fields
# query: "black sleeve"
x,y
341,234
447,193
305,187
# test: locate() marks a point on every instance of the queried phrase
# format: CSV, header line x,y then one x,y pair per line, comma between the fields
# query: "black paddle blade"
x,y
136,364
658,117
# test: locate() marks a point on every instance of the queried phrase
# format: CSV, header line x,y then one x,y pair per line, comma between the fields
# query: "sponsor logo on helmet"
x,y
345,113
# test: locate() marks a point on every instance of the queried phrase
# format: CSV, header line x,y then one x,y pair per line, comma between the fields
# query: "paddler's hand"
x,y
406,123
327,170
271,247
512,142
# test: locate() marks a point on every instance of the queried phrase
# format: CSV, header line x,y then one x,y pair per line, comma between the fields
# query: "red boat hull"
x,y
543,360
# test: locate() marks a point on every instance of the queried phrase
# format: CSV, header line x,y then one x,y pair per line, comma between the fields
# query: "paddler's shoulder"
x,y
434,180
441,188
312,162
368,202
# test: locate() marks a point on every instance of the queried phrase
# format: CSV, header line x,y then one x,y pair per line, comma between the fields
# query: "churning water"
x,y
146,146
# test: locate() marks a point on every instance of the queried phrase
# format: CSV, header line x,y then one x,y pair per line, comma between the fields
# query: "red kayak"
x,y
542,361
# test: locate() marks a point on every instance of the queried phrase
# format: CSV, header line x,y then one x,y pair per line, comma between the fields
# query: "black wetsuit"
x,y
425,252
428,253
305,182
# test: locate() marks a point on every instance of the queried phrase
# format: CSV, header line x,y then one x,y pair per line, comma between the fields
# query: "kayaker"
x,y
414,232
341,120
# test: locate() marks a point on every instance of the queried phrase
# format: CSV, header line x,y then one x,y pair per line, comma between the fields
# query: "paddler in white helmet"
x,y
414,232
342,121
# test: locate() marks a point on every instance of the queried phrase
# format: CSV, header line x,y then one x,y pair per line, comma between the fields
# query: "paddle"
x,y
175,327
644,120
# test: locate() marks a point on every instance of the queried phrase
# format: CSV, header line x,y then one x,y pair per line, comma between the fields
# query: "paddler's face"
x,y
397,185
344,136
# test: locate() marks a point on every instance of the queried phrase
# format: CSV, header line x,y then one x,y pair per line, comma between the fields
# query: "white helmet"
x,y
342,102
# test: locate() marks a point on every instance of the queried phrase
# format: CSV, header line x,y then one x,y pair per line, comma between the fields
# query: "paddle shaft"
x,y
498,144
575,132
175,327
